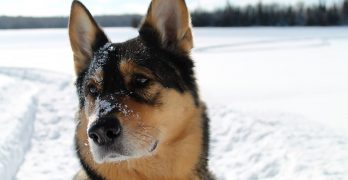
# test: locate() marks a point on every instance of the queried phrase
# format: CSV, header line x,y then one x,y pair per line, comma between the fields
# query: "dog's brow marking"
x,y
128,67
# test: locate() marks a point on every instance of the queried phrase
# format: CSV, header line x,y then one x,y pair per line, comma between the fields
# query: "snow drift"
x,y
278,110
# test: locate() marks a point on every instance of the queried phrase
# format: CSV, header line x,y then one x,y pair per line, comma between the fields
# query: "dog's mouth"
x,y
114,157
117,153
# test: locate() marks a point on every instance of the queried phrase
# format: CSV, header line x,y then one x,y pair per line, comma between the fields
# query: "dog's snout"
x,y
104,131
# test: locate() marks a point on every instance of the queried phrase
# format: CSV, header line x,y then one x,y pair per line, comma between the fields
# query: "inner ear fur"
x,y
85,36
170,22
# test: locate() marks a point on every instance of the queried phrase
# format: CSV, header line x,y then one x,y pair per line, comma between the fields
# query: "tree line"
x,y
274,15
228,16
7,22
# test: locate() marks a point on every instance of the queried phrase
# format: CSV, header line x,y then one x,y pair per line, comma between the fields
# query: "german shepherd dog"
x,y
140,116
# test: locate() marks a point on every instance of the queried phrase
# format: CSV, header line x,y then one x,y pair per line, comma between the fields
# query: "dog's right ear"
x,y
168,24
85,36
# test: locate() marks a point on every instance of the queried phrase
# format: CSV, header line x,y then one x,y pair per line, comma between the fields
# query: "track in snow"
x,y
40,144
52,153
18,106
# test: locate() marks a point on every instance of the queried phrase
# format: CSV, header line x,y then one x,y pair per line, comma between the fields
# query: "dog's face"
x,y
135,95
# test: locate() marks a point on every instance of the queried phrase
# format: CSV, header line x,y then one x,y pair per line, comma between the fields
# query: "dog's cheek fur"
x,y
170,110
179,124
83,148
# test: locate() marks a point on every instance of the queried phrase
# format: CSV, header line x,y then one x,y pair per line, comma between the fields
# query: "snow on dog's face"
x,y
134,96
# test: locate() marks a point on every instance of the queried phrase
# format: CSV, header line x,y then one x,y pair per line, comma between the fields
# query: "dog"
x,y
140,115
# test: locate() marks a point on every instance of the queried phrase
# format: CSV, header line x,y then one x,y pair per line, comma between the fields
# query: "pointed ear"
x,y
168,21
85,36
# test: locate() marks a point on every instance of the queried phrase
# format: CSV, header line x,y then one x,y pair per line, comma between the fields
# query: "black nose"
x,y
104,131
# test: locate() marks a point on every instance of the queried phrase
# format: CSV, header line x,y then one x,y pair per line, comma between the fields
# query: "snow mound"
x,y
17,107
52,153
37,136
274,147
37,140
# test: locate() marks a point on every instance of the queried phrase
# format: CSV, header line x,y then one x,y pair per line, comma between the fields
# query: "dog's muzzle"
x,y
105,131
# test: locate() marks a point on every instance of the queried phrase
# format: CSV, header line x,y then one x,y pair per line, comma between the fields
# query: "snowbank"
x,y
282,146
18,109
277,100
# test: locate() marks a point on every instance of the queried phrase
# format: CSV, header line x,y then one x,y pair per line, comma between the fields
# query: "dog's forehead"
x,y
113,53
110,56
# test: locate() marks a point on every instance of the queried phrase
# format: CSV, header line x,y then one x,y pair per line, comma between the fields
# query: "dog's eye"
x,y
92,90
140,80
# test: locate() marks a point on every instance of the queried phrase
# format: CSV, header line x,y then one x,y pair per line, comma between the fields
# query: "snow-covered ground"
x,y
277,97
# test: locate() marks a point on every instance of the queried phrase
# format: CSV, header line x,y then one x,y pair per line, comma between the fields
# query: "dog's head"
x,y
135,95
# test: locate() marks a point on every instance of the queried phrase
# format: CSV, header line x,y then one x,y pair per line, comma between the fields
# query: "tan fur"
x,y
179,147
171,15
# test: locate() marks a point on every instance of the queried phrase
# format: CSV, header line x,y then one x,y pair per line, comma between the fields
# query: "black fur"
x,y
202,167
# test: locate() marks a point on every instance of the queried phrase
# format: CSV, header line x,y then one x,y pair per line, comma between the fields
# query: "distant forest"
x,y
274,15
19,22
228,16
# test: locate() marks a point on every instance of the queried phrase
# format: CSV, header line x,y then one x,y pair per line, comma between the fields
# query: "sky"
x,y
98,7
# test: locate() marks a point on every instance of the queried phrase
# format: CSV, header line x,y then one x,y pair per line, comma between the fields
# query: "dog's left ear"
x,y
85,35
168,22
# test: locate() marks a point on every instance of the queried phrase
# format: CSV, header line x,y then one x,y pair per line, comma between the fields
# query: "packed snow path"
x,y
244,146
44,102
18,106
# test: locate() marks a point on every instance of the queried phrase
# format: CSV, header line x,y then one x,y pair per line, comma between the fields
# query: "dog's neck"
x,y
179,158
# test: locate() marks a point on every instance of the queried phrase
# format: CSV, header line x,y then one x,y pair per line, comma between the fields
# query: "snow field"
x,y
277,101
